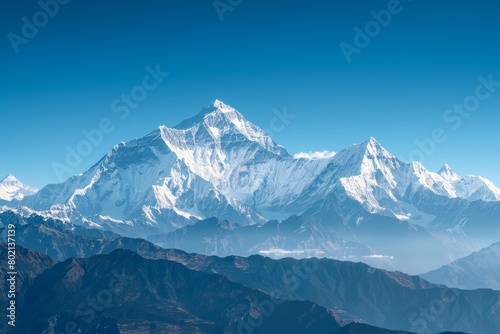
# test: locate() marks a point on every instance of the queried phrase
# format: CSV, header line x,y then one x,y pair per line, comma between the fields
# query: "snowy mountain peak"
x,y
217,107
373,148
448,174
223,124
369,149
221,105
13,189
9,178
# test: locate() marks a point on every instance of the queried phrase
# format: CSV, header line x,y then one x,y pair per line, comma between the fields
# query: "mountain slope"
x,y
385,299
471,187
276,239
294,236
55,282
479,270
29,264
380,183
157,297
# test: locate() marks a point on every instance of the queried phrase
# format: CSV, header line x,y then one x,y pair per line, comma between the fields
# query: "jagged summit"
x,y
448,174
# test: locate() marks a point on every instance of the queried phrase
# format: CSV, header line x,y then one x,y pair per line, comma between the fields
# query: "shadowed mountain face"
x,y
123,292
29,264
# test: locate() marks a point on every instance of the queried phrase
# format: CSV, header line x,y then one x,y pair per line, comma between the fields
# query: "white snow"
x,y
13,189
448,174
219,164
314,155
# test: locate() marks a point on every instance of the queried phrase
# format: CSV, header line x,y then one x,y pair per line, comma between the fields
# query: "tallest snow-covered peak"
x,y
217,107
372,148
224,123
221,105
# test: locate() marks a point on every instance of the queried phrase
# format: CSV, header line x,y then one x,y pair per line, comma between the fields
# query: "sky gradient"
x,y
263,56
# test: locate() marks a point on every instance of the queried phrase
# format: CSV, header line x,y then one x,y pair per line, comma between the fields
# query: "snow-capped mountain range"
x,y
13,189
219,164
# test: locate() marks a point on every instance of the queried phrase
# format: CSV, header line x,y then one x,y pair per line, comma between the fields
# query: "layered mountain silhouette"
x,y
351,291
145,296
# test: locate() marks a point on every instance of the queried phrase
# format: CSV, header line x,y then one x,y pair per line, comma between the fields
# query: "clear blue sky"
x,y
263,55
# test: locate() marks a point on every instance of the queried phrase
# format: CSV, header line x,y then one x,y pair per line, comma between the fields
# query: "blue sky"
x,y
263,55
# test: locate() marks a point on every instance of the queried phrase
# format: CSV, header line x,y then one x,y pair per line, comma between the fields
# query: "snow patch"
x,y
315,155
